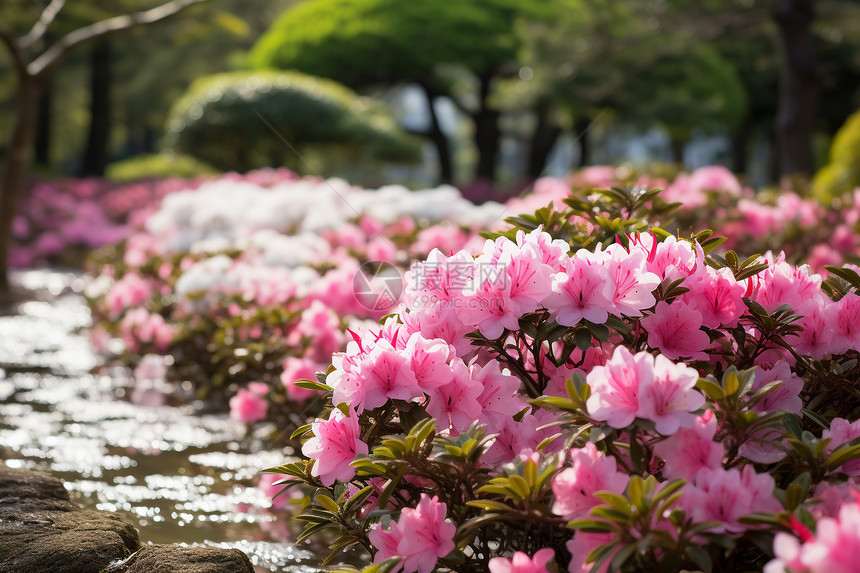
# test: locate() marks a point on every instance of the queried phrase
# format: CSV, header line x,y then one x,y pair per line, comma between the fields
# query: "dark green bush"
x,y
244,120
158,166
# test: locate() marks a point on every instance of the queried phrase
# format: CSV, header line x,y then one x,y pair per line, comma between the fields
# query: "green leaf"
x,y
357,499
794,496
847,274
792,424
300,431
489,505
327,502
618,502
582,339
312,385
636,491
621,557
815,417
553,402
530,473
312,529
701,557
520,485
842,455
713,390
386,566
592,526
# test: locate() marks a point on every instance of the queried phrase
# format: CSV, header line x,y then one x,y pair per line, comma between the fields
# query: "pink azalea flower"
x,y
522,563
786,548
670,258
842,431
727,495
429,361
334,445
591,471
421,536
247,407
681,191
385,374
444,237
530,278
691,449
818,323
786,397
847,324
764,446
616,388
547,250
439,282
499,399
783,283
132,290
832,496
385,541
321,325
634,284
670,398
836,544
513,438
717,295
445,324
267,484
455,404
581,545
715,178
296,369
583,291
674,330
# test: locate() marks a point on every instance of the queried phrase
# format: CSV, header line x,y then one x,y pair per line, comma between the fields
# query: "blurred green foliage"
x,y
157,166
241,120
364,42
698,88
842,172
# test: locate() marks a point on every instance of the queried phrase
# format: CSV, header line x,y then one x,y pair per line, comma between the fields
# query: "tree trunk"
x,y
487,135
44,123
545,135
798,98
740,149
438,137
96,154
20,144
677,147
580,128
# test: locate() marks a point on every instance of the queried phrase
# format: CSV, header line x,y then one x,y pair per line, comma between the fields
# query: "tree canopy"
x,y
362,42
239,120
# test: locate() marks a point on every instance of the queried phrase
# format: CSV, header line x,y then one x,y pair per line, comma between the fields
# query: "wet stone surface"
x,y
177,475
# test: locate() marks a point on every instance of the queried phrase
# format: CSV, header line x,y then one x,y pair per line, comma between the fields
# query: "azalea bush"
x,y
784,219
589,392
239,289
62,220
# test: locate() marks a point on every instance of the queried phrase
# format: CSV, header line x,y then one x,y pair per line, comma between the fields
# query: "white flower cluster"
x,y
224,214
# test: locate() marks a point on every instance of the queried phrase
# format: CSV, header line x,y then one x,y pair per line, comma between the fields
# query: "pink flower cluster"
x,y
638,388
420,536
451,296
267,262
832,549
60,214
646,387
